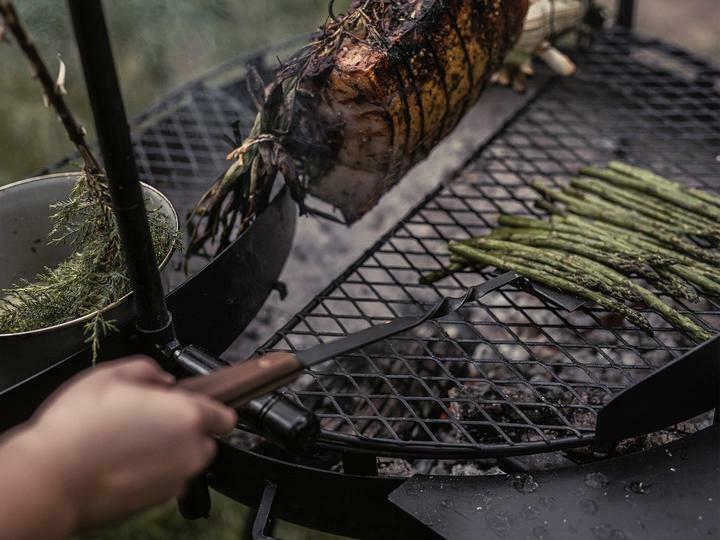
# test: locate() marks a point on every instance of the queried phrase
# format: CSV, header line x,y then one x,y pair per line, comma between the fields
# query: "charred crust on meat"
x,y
370,95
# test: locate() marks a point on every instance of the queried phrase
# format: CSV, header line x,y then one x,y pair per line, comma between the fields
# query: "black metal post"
x,y
152,316
625,13
283,420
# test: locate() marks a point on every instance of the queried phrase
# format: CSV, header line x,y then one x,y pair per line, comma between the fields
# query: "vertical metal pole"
x,y
625,14
152,316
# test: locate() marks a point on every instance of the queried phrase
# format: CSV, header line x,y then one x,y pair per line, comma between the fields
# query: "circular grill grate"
x,y
512,375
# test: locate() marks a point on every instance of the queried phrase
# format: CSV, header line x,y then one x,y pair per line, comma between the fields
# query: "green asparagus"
x,y
605,227
485,258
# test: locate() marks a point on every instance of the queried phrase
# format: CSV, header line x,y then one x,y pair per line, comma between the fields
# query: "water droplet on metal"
x,y
596,480
588,506
601,532
672,469
524,483
638,486
529,512
606,532
499,524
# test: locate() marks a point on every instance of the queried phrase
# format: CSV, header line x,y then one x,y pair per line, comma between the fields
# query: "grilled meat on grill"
x,y
371,94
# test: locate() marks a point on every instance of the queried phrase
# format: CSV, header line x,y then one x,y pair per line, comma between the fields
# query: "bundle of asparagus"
x,y
608,226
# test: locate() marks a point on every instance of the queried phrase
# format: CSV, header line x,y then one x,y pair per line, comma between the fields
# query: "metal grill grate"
x,y
181,141
184,151
512,375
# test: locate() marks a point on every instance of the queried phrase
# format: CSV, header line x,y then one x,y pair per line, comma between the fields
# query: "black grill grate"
x,y
512,375
181,141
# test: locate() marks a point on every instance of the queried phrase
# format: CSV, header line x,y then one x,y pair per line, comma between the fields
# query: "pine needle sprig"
x,y
89,280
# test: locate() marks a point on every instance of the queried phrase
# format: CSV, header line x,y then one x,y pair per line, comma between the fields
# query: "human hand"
x,y
121,438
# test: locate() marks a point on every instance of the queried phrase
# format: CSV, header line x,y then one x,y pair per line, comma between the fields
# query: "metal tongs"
x,y
238,384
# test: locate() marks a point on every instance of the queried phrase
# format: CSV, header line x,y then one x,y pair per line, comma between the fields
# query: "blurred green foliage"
x,y
158,45
227,522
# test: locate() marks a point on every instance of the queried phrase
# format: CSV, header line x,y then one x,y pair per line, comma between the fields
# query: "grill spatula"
x,y
238,384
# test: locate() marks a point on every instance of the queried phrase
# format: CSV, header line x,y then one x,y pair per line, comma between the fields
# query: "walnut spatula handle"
x,y
237,384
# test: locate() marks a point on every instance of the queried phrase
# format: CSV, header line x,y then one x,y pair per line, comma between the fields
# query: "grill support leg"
x,y
262,525
196,502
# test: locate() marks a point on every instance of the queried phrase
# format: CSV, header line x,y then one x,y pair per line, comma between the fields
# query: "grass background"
x,y
227,522
158,45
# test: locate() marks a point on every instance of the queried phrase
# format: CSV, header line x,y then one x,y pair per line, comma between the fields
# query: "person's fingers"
x,y
141,369
215,418
201,459
208,450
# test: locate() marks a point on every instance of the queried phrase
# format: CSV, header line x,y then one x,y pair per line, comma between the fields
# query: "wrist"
x,y
40,495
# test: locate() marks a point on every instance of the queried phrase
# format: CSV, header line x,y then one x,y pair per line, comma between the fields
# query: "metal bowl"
x,y
24,226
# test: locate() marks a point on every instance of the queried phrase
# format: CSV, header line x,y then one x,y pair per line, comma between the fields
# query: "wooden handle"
x,y
237,384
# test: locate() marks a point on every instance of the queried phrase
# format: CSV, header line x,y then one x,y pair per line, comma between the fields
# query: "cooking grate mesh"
x,y
181,141
512,375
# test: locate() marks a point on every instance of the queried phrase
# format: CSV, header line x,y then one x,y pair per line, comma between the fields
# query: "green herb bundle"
x,y
90,279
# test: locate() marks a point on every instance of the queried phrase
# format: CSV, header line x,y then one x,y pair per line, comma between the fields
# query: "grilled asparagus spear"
x,y
606,228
